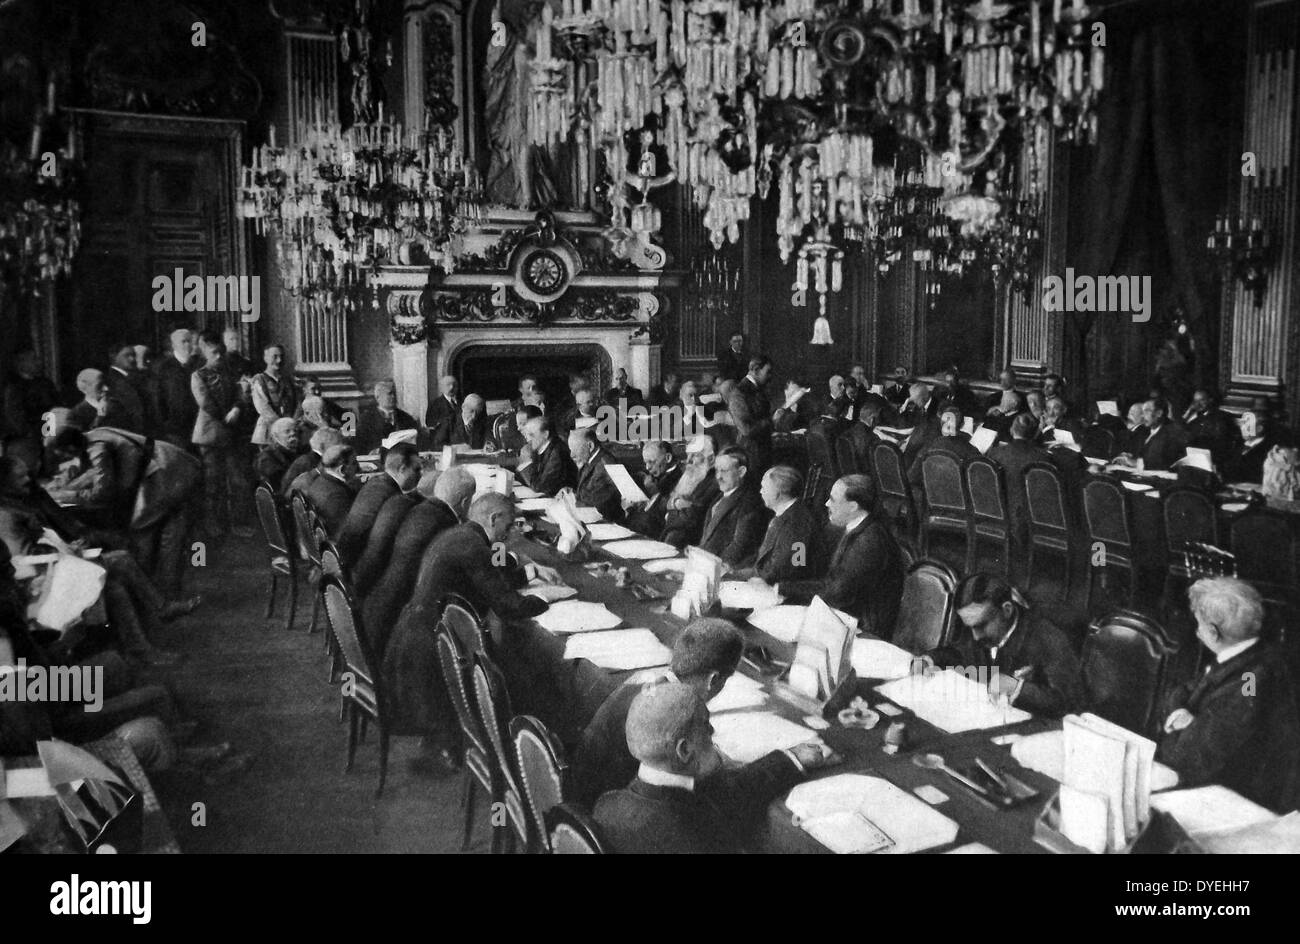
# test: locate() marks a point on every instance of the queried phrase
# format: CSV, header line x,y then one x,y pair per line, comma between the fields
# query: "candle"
x,y
273,135
1056,11
1035,28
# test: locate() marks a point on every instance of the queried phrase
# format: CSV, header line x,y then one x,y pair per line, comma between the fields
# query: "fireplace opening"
x,y
493,370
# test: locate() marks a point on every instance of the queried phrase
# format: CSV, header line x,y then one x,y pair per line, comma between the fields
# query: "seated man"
x,y
582,414
384,419
735,522
1236,724
304,470
1014,651
544,463
1259,435
865,576
1209,427
792,546
797,411
1164,444
595,488
691,497
665,392
92,410
1007,401
1013,457
276,457
400,475
332,492
662,472
379,542
1055,418
681,801
622,391
507,430
951,440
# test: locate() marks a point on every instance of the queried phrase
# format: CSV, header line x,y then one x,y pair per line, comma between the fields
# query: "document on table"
x,y
524,492
1211,809
577,616
610,532
740,692
1045,753
641,549
746,595
628,490
784,622
877,659
550,592
745,736
619,650
951,702
984,438
1275,837
909,824
1104,760
822,653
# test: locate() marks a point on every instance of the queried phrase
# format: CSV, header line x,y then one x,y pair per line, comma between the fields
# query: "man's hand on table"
x,y
534,571
814,754
1178,720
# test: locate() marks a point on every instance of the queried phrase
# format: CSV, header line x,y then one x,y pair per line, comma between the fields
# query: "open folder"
x,y
1106,783
822,653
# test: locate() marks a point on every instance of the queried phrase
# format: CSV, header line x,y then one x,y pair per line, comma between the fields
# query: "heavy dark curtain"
x,y
1144,199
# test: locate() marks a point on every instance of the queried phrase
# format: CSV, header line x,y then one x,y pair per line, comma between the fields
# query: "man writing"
x,y
544,462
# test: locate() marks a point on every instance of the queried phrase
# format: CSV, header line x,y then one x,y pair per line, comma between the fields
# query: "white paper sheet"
x,y
1044,752
577,616
610,532
740,693
1210,809
951,702
675,565
401,436
581,512
910,823
628,490
641,549
780,622
1275,837
877,659
533,504
550,592
523,492
1107,408
27,782
619,650
745,736
744,595
984,438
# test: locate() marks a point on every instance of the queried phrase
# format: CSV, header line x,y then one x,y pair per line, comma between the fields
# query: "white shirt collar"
x,y
662,778
120,371
783,508
855,523
1235,650
546,445
729,492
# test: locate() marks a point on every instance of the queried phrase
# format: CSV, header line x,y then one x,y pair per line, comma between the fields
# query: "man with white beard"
x,y
693,494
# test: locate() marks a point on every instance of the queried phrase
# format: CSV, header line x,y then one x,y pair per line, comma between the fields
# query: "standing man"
x,y
274,394
177,408
752,414
216,392
126,396
733,362
442,412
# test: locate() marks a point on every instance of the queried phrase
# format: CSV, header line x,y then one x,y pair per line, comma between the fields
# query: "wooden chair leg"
x,y
293,601
365,726
315,612
383,758
352,735
270,597
468,796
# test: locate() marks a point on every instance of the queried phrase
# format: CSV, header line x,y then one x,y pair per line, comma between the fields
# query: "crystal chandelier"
x,y
851,103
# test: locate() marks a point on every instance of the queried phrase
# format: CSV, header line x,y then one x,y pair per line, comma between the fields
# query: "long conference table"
x,y
565,693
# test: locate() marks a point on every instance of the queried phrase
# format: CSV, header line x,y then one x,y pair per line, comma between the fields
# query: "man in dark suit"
x,y
1015,652
332,492
861,435
443,411
798,411
1013,457
920,414
401,473
1236,724
1209,427
733,362
622,391
459,560
128,406
91,412
544,462
176,408
664,393
304,469
378,548
383,419
581,415
1165,442
695,492
792,546
734,524
595,489
446,501
1056,417
662,472
752,414
951,440
682,801
865,577
274,460
467,428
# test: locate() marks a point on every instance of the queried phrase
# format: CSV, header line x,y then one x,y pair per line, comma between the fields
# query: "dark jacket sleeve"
x,y
495,585
1222,722
740,796
1054,684
747,536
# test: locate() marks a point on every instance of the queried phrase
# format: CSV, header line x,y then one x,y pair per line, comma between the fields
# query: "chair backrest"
x,y
268,513
812,483
331,564
986,483
1189,516
890,480
1106,507
456,674
492,708
1206,560
844,454
304,520
1264,544
461,619
1098,442
1045,498
941,478
1124,659
345,625
573,832
925,611
820,441
542,771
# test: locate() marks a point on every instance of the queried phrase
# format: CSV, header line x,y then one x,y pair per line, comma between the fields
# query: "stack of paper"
x,y
1276,837
577,616
739,693
610,532
951,701
821,655
852,813
1211,809
550,592
877,659
1105,783
641,549
1045,753
565,512
783,622
747,595
628,490
619,650
401,436
745,736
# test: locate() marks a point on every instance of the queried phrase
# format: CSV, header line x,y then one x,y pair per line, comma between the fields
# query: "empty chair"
x,y
573,832
542,772
1189,517
1125,655
277,543
895,491
1098,443
304,520
986,484
492,707
1110,528
478,763
925,611
1049,522
845,456
947,510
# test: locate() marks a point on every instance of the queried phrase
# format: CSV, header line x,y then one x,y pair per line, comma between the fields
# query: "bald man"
x,y
177,409
92,411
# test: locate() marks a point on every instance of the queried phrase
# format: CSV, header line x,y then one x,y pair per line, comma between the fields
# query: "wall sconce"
x,y
1243,253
